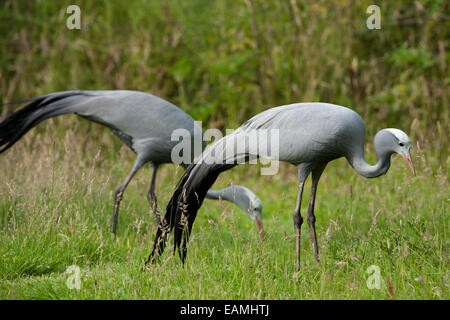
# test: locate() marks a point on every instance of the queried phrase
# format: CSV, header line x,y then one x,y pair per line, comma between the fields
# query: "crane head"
x,y
245,199
402,145
255,212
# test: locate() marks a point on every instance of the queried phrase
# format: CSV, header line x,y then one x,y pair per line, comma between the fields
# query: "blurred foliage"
x,y
224,61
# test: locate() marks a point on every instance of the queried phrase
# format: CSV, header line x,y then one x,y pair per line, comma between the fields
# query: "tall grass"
x,y
56,210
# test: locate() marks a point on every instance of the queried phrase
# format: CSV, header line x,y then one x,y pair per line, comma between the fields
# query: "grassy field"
x,y
56,207
222,62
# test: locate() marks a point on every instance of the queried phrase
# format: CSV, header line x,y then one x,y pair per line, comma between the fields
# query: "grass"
x,y
56,207
222,62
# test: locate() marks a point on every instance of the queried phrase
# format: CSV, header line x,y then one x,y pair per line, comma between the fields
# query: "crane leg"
x,y
310,217
151,196
298,220
119,192
304,170
163,227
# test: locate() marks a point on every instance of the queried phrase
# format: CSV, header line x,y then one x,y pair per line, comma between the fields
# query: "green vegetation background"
x,y
222,62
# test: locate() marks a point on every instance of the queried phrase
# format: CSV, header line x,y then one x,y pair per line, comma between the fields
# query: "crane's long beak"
x,y
259,223
408,160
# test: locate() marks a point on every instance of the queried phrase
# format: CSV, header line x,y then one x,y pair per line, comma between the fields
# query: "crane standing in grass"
x,y
311,135
142,121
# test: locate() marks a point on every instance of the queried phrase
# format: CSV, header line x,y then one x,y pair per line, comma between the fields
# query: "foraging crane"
x,y
310,136
142,121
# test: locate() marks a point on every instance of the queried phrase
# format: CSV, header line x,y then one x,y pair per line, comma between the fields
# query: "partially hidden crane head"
x,y
245,199
255,212
393,140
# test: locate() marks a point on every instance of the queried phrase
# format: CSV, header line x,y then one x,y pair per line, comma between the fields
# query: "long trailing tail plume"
x,y
38,109
182,208
189,194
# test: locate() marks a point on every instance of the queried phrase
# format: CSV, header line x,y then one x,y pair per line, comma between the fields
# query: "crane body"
x,y
142,121
310,136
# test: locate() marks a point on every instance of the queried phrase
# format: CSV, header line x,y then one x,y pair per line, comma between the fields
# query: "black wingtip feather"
x,y
169,219
182,208
23,120
11,129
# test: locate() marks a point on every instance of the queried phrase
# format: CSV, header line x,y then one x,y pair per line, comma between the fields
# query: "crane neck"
x,y
219,194
238,195
360,165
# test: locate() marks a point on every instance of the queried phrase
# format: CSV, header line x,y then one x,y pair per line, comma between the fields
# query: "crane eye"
x,y
401,144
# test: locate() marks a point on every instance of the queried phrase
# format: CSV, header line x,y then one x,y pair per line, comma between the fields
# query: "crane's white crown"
x,y
400,135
